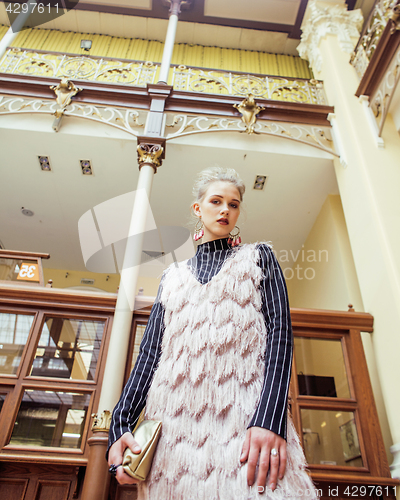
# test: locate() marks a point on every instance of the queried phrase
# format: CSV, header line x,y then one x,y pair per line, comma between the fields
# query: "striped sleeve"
x,y
133,398
271,411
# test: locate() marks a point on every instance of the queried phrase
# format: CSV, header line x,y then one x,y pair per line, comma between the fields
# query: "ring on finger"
x,y
113,469
274,452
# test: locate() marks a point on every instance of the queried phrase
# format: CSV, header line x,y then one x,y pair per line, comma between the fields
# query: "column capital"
x,y
328,18
175,6
151,151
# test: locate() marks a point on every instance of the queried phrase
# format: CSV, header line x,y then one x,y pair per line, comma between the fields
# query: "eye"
x,y
233,205
215,201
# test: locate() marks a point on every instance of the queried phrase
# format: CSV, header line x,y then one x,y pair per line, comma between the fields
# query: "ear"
x,y
196,209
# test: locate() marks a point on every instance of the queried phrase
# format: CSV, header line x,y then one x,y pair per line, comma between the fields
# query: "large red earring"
x,y
198,231
235,239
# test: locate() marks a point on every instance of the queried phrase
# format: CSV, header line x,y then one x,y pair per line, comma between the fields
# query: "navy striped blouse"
x,y
272,407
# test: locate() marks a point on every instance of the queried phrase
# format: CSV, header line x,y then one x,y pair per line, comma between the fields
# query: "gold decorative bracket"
x,y
101,423
395,17
249,111
64,91
151,151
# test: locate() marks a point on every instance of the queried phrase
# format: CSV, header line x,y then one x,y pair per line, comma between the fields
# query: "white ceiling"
x,y
299,180
125,26
268,11
132,4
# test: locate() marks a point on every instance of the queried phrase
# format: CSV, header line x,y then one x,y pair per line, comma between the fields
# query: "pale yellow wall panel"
x,y
133,50
141,50
3,30
75,43
123,48
127,44
178,55
236,60
154,51
20,39
144,50
114,48
51,41
59,42
100,45
26,39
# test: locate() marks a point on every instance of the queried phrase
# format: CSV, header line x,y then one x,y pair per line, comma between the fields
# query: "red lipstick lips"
x,y
223,221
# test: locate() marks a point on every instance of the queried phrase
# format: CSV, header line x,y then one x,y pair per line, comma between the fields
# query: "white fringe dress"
x,y
207,386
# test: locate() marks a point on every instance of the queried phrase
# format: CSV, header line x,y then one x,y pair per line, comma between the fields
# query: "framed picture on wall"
x,y
350,443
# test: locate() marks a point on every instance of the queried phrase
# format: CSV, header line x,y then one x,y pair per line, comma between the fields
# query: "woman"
x,y
214,367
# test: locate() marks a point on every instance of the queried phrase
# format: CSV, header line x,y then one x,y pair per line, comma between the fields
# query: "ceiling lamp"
x,y
86,167
86,45
44,163
259,183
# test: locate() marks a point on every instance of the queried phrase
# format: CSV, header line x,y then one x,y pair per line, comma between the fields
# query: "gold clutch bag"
x,y
137,465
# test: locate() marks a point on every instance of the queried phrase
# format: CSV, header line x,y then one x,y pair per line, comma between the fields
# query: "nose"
x,y
224,209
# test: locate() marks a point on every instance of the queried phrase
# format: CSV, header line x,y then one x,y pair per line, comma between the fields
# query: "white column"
x,y
16,27
169,41
368,189
119,340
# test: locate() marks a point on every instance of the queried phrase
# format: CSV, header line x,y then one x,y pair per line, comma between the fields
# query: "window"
x,y
47,418
68,348
14,333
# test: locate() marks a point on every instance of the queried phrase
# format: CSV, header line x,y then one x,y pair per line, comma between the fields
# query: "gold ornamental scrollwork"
x,y
101,423
150,154
395,17
64,91
249,110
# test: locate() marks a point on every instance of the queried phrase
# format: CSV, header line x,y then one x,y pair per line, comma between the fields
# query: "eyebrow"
x,y
219,196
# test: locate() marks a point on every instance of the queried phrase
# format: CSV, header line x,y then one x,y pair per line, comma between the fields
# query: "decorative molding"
x,y
328,20
101,423
395,17
381,100
127,120
274,88
337,140
364,100
132,122
139,98
249,111
315,136
151,151
64,91
374,28
53,65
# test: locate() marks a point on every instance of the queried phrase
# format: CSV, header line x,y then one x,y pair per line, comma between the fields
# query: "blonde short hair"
x,y
214,174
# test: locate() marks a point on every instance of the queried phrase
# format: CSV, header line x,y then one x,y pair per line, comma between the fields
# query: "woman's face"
x,y
219,210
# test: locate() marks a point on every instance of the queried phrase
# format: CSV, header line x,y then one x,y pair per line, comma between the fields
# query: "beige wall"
x,y
325,277
149,284
335,285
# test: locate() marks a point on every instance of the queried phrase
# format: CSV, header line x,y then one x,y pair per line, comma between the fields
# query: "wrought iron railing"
x,y
373,29
139,73
44,64
241,84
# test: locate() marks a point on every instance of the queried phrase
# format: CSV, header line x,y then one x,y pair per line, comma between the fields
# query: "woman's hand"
x,y
116,453
258,444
